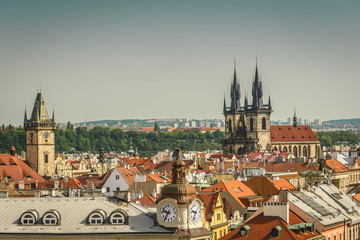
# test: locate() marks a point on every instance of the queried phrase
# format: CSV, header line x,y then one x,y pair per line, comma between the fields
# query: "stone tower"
x,y
179,207
247,128
40,138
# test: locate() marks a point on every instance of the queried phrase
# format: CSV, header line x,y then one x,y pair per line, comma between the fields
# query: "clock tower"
x,y
179,207
40,138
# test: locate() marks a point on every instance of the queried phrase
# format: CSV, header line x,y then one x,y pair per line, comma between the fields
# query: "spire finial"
x,y
295,118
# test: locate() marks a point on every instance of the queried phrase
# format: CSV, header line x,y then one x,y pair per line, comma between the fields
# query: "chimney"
x,y
12,151
123,195
154,193
277,209
283,196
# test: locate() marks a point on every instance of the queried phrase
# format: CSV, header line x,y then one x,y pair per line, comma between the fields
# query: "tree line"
x,y
147,143
329,139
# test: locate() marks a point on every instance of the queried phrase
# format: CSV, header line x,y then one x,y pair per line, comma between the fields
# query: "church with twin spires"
x,y
248,128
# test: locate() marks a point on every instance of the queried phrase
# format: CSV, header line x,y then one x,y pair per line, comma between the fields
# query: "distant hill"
x,y
353,121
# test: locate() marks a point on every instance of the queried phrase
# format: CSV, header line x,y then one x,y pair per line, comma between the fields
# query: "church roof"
x,y
14,168
288,133
39,112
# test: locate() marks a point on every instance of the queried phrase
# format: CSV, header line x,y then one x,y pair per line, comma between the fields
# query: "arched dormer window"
x,y
29,218
263,124
118,217
275,232
97,217
251,124
51,218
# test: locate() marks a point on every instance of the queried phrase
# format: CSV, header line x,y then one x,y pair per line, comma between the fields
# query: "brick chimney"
x,y
12,151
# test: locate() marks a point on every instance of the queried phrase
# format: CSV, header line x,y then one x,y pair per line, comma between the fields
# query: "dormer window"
x,y
51,218
118,217
244,231
275,232
97,217
29,218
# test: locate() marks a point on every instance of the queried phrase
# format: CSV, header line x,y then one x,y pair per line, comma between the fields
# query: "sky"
x,y
98,60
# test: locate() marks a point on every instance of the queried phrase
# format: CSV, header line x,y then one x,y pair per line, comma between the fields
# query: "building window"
x,y
107,189
218,216
263,124
117,177
28,218
96,218
230,127
118,217
117,189
295,151
46,158
251,124
50,219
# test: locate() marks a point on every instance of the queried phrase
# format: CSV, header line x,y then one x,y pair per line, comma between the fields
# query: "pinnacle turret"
x,y
235,92
257,91
25,117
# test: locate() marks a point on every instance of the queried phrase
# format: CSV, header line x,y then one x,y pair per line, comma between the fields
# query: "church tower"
x,y
247,128
179,208
40,138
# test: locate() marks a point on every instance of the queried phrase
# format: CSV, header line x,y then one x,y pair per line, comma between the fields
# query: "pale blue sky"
x,y
165,59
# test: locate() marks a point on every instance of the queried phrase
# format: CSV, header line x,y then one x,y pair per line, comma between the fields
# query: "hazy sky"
x,y
164,59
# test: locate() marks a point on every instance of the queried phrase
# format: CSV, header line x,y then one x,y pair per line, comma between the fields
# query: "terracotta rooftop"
x,y
283,184
146,200
12,167
235,187
291,166
157,177
261,227
288,133
335,165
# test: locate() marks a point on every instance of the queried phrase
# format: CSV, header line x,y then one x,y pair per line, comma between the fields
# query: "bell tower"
x,y
179,207
247,128
40,138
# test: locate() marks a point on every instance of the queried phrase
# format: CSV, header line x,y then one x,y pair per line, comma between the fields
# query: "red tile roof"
x,y
14,168
357,197
283,184
146,200
288,133
157,177
335,165
235,187
291,167
260,228
209,200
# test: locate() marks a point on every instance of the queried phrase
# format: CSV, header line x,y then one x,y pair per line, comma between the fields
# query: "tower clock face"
x,y
168,212
194,211
46,135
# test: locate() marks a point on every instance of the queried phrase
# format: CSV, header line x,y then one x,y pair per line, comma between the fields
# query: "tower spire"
x,y
235,91
25,117
224,110
269,104
295,118
53,115
257,91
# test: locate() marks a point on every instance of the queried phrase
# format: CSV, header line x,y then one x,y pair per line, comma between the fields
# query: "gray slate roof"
x,y
74,213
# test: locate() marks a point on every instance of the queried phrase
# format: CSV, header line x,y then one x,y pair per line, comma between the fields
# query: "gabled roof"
x,y
288,133
260,228
146,200
157,177
291,166
283,184
235,187
335,165
209,200
14,168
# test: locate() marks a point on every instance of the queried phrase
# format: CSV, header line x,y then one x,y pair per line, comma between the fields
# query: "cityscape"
x,y
171,157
